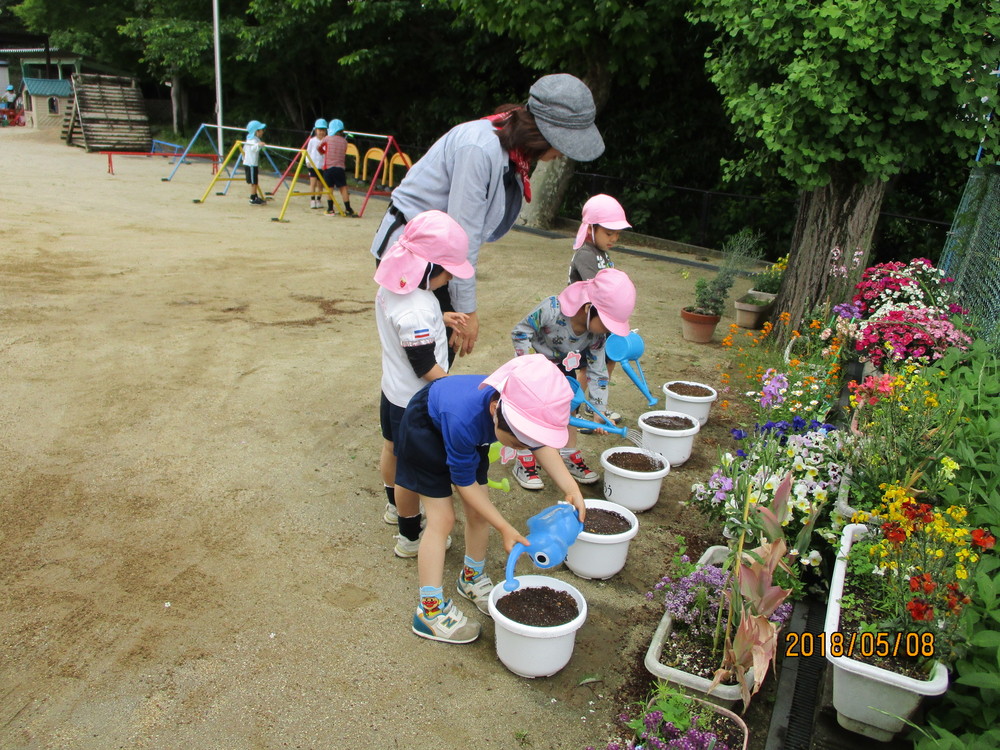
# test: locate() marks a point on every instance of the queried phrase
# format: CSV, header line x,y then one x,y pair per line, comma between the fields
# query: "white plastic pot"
x,y
635,490
694,406
870,700
529,650
673,445
601,555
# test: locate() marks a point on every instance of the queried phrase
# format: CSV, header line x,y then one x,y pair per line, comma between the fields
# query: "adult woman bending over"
x,y
478,171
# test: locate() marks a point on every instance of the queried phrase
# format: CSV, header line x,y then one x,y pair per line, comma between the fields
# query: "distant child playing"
x,y
570,330
444,439
316,158
334,149
603,217
251,159
411,329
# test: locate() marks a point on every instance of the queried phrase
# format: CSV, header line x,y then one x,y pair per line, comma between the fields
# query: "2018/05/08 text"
x,y
864,645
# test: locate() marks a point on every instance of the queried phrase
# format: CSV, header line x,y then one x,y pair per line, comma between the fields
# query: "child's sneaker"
x,y
526,473
407,548
391,515
450,625
477,591
578,468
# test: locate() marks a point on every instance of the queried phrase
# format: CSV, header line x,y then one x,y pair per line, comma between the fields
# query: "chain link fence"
x,y
972,251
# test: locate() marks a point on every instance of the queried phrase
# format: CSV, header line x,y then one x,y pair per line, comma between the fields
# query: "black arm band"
x,y
422,358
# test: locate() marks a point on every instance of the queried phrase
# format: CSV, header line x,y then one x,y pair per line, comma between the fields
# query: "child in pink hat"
x,y
411,329
603,218
570,330
444,440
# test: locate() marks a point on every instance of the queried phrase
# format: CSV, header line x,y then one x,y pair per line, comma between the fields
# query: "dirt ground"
x,y
192,552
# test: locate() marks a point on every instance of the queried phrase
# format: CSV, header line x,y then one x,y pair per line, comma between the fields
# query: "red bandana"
x,y
516,155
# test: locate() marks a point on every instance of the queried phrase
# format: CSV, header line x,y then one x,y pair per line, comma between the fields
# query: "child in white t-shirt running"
x,y
411,327
570,331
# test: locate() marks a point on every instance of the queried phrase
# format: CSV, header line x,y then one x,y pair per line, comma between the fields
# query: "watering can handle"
x,y
511,583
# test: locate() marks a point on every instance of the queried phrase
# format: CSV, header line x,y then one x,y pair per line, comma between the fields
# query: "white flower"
x,y
814,558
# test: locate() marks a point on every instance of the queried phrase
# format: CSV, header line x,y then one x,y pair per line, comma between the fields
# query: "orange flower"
x,y
785,317
815,324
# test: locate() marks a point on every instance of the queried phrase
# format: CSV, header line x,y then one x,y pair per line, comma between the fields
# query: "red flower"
x,y
920,513
983,539
922,582
893,532
920,611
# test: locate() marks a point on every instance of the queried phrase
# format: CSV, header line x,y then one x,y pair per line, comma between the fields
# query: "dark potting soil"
x,y
663,422
634,461
604,521
689,389
541,606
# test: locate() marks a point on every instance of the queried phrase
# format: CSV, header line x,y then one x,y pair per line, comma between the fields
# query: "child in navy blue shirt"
x,y
444,439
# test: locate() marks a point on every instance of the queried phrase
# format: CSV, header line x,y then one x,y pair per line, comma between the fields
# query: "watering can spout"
x,y
625,350
550,534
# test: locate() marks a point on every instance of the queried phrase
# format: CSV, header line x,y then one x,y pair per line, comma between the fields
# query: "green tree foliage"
x,y
841,95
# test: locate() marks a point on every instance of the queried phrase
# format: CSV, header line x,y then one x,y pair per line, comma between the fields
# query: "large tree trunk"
x,y
176,102
840,215
549,180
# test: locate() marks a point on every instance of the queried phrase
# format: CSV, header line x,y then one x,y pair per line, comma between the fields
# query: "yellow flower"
x,y
961,572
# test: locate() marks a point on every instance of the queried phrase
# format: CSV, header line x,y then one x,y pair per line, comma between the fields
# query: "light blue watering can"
x,y
550,533
578,399
626,350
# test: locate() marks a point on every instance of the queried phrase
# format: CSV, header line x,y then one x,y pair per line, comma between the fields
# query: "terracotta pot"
x,y
697,327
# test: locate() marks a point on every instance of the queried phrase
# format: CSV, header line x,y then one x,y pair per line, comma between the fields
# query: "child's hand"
x,y
456,320
512,536
576,500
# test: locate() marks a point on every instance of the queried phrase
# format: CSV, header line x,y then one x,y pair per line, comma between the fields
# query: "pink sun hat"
x,y
535,397
611,292
604,211
429,237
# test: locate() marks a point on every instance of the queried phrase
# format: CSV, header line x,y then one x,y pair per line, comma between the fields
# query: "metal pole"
x,y
218,78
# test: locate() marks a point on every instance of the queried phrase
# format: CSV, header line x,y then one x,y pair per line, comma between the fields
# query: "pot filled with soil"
x,y
632,476
688,397
536,624
601,548
669,433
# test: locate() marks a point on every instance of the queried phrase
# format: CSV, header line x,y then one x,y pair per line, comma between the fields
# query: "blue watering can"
x,y
627,349
550,533
586,424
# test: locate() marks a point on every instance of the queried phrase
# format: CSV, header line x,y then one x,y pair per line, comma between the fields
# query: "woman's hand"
x,y
464,341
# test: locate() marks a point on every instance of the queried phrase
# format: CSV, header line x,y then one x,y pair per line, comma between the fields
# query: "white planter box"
x,y
870,700
673,445
723,695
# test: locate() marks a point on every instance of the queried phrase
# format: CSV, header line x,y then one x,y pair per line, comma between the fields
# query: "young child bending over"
x,y
444,439
570,330
411,329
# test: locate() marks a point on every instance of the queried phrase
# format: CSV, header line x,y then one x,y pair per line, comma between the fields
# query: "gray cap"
x,y
564,112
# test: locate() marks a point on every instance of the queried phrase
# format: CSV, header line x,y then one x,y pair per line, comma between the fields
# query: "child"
x,y
251,158
316,157
334,149
411,329
570,331
603,216
444,439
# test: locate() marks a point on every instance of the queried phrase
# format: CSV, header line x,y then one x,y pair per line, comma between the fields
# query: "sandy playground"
x,y
191,545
